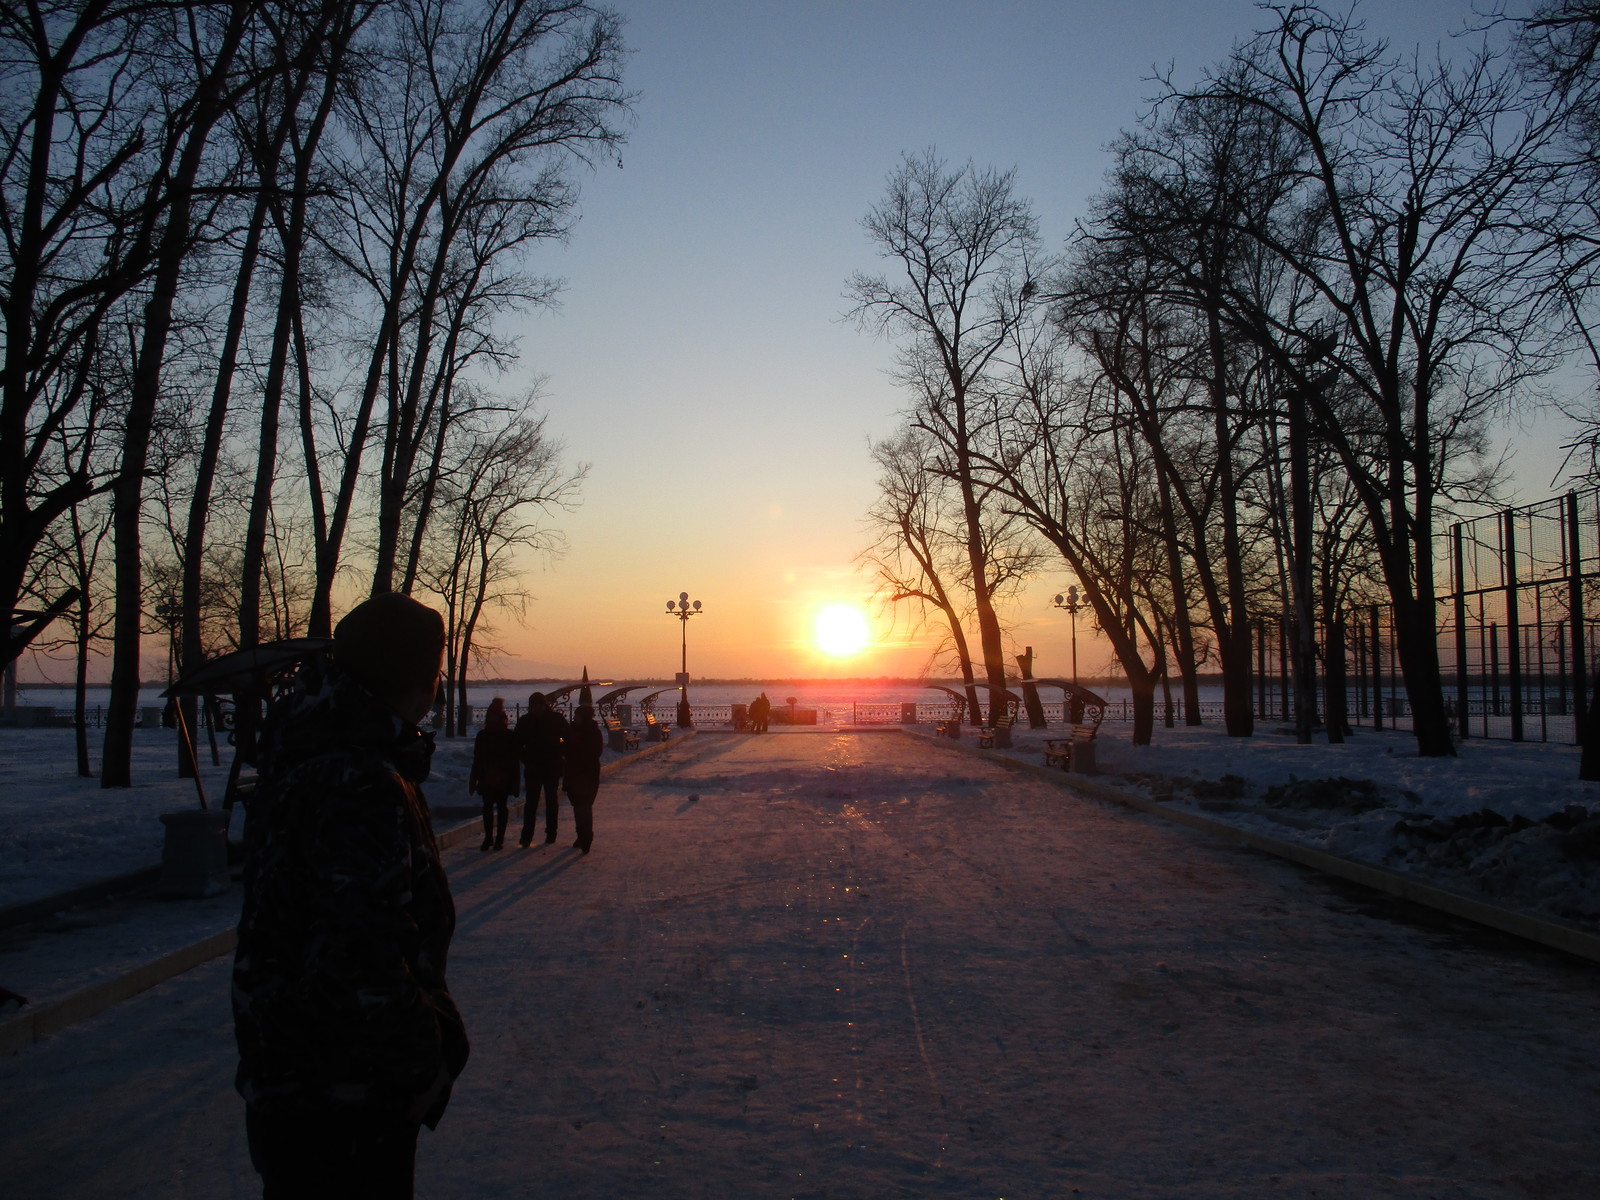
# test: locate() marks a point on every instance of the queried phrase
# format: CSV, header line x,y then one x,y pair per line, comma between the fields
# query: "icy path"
x,y
873,967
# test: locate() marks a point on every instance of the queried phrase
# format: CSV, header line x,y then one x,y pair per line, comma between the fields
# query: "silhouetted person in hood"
x,y
581,772
348,1038
496,772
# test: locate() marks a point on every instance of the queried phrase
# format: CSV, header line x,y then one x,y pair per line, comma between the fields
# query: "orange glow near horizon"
x,y
841,630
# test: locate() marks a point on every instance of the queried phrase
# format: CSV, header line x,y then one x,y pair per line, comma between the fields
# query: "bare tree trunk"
x,y
209,104
191,650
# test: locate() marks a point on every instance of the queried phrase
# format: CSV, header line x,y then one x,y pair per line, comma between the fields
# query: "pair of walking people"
x,y
552,754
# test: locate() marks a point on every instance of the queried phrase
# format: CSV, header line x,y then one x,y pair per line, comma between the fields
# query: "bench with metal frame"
x,y
1085,710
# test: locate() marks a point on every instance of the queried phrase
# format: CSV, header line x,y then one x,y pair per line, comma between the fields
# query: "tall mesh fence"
x,y
1518,627
1518,623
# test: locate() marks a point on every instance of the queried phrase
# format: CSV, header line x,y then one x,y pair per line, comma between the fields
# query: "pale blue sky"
x,y
699,360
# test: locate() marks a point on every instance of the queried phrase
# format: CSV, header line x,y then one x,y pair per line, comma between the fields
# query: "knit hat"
x,y
391,643
495,718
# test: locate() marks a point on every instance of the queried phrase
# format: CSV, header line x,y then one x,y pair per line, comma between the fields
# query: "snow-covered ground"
x,y
1505,820
852,968
59,831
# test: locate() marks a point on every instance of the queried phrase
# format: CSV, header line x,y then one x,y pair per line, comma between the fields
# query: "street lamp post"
x,y
1070,602
683,608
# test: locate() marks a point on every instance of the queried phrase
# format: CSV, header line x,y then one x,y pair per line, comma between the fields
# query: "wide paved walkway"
x,y
870,966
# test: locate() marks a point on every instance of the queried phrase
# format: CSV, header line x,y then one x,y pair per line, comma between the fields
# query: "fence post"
x,y
1377,671
1513,624
1283,665
1494,671
1360,628
1580,667
1261,668
1460,608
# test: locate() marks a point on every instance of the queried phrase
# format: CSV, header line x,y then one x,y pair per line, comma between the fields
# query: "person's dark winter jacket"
x,y
539,734
496,763
580,771
339,994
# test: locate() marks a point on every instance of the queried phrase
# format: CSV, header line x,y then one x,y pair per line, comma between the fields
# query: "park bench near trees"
x,y
989,733
1083,711
1002,716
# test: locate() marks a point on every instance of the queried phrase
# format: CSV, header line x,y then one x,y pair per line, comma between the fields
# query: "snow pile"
x,y
1507,821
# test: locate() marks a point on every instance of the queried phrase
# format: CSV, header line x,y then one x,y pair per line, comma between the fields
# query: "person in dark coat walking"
x,y
540,732
580,772
348,1038
496,772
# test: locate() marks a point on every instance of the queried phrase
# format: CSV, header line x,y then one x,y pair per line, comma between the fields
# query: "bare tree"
x,y
70,562
1062,464
917,551
458,144
500,481
964,251
79,119
1421,285
205,78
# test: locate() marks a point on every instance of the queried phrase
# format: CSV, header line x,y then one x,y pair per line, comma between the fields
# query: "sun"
x,y
841,630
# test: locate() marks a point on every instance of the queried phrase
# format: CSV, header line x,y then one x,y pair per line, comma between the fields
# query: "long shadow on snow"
x,y
487,896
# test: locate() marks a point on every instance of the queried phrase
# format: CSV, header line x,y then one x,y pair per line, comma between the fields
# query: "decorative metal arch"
x,y
1091,704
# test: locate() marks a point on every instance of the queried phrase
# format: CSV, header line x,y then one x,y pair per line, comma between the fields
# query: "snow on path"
x,y
872,967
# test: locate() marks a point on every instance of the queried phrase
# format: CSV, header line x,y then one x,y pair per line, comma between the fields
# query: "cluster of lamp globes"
x,y
683,606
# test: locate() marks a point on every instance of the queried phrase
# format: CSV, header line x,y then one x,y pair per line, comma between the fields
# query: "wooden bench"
x,y
987,735
654,730
950,727
619,739
1075,752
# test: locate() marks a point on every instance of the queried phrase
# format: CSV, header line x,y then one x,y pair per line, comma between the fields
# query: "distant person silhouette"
x,y
496,772
348,1038
760,713
580,772
540,732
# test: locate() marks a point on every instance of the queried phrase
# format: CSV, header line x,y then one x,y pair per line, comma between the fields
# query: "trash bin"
x,y
194,856
150,716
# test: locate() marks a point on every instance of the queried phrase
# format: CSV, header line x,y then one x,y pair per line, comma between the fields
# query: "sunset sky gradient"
x,y
700,362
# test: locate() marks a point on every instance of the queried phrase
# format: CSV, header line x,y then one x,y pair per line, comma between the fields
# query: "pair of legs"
x,y
332,1155
550,785
583,818
495,817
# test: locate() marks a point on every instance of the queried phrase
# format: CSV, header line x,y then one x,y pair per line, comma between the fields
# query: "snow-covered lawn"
x,y
852,968
59,831
1509,821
